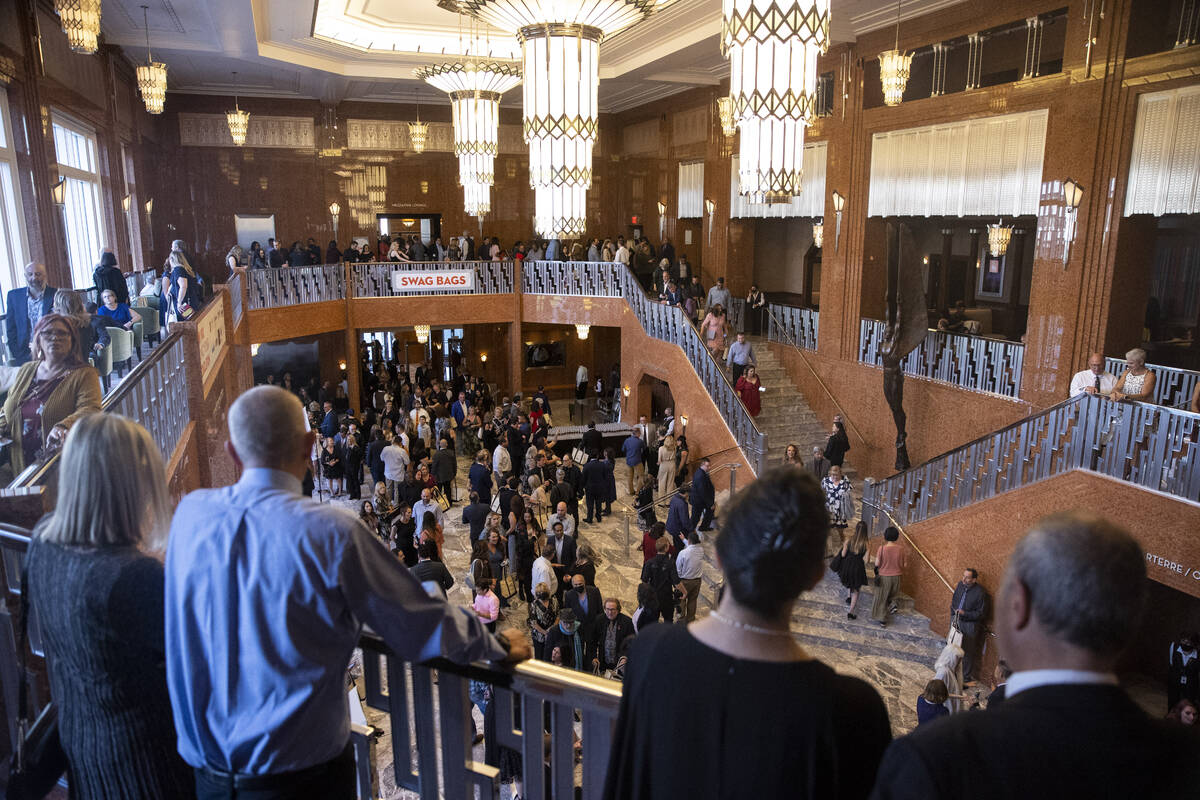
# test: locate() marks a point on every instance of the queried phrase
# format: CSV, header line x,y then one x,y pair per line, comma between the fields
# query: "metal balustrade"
x,y
375,279
1141,443
429,712
975,363
668,323
234,284
1172,386
290,286
792,325
155,395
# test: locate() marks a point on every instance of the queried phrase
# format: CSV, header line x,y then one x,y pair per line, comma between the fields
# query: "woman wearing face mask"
x,y
543,613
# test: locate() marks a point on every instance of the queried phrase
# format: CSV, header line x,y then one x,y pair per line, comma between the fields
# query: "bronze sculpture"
x,y
905,327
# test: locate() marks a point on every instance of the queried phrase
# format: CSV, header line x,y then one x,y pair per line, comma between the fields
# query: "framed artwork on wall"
x,y
993,279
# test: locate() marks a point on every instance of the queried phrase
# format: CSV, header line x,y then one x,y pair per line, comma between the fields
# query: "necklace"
x,y
746,626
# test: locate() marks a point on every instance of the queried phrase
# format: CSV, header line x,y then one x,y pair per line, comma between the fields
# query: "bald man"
x,y
1095,379
266,595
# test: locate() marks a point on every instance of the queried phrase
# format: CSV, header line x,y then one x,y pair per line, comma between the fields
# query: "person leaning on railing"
x,y
815,734
49,393
1136,382
95,579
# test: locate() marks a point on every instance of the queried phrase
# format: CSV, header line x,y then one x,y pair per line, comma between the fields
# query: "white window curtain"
x,y
980,167
1164,172
14,248
691,190
76,153
809,203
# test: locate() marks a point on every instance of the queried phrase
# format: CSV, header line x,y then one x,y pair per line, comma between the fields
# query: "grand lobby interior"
x,y
1021,177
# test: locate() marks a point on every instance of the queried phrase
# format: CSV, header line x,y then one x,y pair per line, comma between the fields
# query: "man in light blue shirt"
x,y
425,504
267,592
741,355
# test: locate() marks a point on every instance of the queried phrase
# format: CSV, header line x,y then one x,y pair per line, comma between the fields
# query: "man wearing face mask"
x,y
586,602
567,638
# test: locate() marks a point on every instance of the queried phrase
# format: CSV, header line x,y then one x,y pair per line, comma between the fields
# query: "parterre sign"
x,y
433,280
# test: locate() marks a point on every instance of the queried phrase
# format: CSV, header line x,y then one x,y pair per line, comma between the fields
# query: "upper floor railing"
x,y
1172,386
289,286
969,362
482,277
793,325
234,284
430,711
668,323
1142,443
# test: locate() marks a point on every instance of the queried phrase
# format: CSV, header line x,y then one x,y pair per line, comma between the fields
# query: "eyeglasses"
x,y
53,335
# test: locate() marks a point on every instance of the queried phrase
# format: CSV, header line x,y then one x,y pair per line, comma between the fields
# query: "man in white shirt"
x,y
1070,603
690,566
622,254
395,464
501,464
418,413
1095,379
423,505
543,571
560,515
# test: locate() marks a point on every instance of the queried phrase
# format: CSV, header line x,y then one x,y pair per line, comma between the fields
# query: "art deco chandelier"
x,y
560,46
152,78
475,88
772,51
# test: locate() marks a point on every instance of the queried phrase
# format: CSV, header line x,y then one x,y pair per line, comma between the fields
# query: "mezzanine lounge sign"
x,y
433,280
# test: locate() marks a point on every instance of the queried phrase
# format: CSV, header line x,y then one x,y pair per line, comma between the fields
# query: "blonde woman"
x,y
714,329
666,467
97,559
1136,382
185,293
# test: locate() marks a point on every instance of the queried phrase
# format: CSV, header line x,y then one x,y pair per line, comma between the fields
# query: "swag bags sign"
x,y
433,281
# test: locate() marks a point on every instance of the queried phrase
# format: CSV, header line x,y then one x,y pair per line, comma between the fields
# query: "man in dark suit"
x,y
704,497
475,514
586,602
968,608
607,634
25,306
1070,603
593,441
564,554
574,478
329,423
678,523
595,486
480,477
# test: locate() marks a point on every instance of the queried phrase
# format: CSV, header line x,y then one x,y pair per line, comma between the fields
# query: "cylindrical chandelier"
x,y
894,68
772,54
422,332
560,45
377,187
999,236
239,121
81,23
475,88
152,78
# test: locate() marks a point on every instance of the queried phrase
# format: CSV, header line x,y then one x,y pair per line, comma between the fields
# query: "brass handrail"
x,y
896,524
821,383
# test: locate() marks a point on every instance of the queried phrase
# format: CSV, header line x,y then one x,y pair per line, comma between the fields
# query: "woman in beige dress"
x,y
666,467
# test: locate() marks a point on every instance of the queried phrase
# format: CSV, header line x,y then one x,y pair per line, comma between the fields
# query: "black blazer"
x,y
595,605
593,442
596,638
1050,741
568,550
703,493
973,610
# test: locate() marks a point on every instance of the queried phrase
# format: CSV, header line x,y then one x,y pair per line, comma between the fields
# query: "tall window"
x,y
78,162
14,249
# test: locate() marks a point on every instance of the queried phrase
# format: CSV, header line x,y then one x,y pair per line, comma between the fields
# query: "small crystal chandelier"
x,y
583,330
418,131
422,333
81,23
773,89
894,68
152,78
818,233
239,121
725,113
999,236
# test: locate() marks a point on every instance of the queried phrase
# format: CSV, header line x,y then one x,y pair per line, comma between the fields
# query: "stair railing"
x,y
904,534
667,323
778,332
1140,443
1172,386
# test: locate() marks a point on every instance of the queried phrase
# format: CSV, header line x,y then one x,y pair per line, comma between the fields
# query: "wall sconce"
x,y
483,358
58,192
709,205
126,202
149,206
254,350
1073,196
625,390
334,210
342,365
662,210
683,420
839,203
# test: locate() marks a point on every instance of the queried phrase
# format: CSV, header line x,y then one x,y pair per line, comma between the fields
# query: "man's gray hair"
x,y
1086,578
266,426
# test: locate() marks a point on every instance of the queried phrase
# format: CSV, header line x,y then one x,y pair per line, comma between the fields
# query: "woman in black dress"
x,y
97,588
837,444
774,722
853,572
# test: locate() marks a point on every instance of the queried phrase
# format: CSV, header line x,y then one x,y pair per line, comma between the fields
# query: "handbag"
x,y
440,498
495,504
579,456
39,760
848,507
836,563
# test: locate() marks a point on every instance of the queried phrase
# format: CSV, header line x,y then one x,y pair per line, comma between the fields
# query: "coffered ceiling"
x,y
334,50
